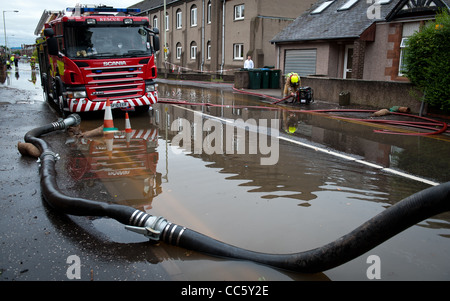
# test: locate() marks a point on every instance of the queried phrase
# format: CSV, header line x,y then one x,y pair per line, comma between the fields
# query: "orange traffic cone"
x,y
108,124
127,124
109,141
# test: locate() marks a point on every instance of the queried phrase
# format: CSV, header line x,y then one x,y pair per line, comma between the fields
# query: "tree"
x,y
427,61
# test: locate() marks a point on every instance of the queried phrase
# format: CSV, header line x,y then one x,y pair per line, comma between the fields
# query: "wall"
x,y
377,94
375,59
326,52
261,23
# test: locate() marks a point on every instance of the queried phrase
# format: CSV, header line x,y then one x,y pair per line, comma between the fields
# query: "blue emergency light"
x,y
103,9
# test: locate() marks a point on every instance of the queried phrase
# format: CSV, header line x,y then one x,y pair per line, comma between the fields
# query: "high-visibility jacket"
x,y
289,86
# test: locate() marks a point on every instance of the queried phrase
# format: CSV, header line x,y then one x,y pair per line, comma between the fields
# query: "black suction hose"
x,y
375,231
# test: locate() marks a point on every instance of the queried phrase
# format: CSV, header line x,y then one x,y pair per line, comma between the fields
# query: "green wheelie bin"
x,y
254,76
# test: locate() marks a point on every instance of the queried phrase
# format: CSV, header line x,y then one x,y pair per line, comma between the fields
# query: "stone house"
x,y
216,36
358,39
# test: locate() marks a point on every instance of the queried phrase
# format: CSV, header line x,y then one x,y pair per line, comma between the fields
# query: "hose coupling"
x,y
152,228
71,120
55,156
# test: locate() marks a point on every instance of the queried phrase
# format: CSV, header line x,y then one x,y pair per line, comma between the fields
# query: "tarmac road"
x,y
37,243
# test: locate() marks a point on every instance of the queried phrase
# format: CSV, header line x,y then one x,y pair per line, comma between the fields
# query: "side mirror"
x,y
155,39
156,43
48,32
52,44
51,41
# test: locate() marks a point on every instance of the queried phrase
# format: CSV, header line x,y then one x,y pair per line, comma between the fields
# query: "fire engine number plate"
x,y
119,105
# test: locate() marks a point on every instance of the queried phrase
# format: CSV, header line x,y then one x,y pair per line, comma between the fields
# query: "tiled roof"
x,y
333,23
151,4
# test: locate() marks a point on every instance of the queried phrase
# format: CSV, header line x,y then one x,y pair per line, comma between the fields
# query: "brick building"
x,y
353,38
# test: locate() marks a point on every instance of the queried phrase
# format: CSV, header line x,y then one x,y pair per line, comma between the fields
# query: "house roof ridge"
x,y
332,22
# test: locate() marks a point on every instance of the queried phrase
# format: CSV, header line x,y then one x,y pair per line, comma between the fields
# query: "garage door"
x,y
302,61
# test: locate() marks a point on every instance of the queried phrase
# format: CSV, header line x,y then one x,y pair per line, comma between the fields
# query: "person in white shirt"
x,y
248,64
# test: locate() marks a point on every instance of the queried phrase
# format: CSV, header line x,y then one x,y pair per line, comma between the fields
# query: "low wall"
x,y
377,94
195,76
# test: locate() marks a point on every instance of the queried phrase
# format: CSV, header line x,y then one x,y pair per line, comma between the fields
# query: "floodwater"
x,y
264,178
182,163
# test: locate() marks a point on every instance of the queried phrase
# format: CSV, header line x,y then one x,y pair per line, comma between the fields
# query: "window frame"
x,y
178,51
238,51
401,65
193,50
179,19
208,50
194,16
208,13
239,12
167,22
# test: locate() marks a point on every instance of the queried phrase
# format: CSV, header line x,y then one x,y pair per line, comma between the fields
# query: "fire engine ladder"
x,y
80,9
47,16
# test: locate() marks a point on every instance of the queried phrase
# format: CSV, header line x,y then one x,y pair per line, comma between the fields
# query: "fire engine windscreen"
x,y
95,42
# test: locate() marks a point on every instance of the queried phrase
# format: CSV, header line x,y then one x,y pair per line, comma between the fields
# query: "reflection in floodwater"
x,y
124,165
20,76
306,189
305,200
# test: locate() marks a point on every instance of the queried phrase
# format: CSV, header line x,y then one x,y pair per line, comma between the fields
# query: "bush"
x,y
427,60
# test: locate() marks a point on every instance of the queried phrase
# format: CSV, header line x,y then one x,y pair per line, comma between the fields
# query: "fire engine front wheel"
x,y
45,87
59,99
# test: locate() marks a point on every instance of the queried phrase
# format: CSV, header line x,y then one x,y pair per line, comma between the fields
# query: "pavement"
x,y
266,95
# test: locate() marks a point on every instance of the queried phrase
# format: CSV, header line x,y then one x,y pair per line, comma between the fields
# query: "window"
x,y
193,15
322,7
179,51
238,52
401,64
193,50
208,50
348,4
239,12
155,22
208,13
167,22
179,18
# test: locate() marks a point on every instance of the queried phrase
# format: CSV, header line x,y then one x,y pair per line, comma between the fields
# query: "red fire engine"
x,y
95,53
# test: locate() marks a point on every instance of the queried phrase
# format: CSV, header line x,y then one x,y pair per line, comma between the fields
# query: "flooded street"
x,y
272,179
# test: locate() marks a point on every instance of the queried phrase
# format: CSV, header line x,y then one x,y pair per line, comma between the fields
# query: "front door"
x,y
348,61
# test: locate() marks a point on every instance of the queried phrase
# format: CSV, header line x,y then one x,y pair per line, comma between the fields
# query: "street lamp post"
x,y
4,27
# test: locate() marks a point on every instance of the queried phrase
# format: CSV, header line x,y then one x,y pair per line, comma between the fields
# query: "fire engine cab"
x,y
90,54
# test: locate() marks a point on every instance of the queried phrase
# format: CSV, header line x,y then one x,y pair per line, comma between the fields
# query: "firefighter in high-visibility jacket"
x,y
291,86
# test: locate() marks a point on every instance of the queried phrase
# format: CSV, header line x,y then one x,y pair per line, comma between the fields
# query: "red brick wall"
x,y
394,38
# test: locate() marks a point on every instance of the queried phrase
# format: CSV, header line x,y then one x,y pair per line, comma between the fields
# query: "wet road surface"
x,y
181,162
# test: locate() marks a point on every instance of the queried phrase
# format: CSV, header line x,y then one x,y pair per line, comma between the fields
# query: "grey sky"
x,y
20,26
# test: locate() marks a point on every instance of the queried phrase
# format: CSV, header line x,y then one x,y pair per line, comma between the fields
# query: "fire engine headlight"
x,y
79,94
76,94
150,88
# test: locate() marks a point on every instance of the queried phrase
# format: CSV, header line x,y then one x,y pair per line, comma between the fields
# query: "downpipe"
x,y
395,219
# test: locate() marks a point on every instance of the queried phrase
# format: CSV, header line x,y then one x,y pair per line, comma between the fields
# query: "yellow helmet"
x,y
294,78
292,129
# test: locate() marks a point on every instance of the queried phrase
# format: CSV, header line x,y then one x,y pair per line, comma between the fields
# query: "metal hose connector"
x,y
71,120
